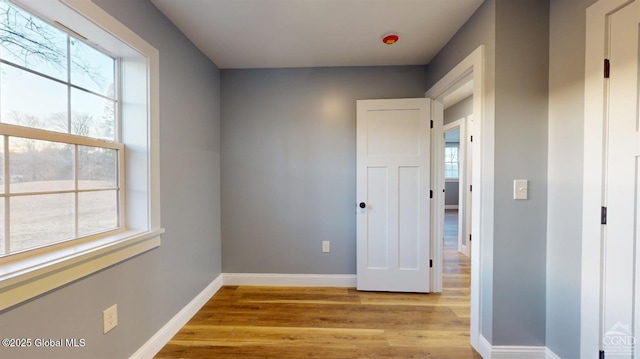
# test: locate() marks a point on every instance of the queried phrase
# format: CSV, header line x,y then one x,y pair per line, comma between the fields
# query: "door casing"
x,y
597,49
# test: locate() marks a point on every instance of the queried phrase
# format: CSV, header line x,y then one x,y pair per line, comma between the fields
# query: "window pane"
x,y
92,115
451,154
40,220
40,166
32,43
96,167
97,212
450,170
91,69
21,91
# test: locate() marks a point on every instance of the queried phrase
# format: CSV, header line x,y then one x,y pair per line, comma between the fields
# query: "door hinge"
x,y
607,68
431,123
602,354
430,263
430,193
603,215
471,138
470,188
469,237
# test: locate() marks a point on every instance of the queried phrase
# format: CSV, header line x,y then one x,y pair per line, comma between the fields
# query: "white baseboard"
x,y
290,280
520,352
552,355
484,347
487,351
162,337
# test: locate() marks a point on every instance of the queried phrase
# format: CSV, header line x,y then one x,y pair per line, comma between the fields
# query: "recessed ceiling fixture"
x,y
390,38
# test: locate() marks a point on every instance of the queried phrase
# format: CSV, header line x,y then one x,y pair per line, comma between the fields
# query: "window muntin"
x,y
60,186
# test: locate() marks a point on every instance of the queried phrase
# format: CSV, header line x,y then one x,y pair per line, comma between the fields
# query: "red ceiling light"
x,y
390,39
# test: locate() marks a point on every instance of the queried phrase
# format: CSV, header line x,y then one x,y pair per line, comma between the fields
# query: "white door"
x,y
393,175
622,151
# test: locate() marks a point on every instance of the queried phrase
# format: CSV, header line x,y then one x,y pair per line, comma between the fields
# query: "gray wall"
x,y
516,37
451,192
521,112
289,164
564,216
151,288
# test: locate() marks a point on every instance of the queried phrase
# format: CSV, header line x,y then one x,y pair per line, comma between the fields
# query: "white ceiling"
x,y
317,33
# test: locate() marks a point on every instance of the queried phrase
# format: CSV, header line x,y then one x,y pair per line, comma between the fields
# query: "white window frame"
x,y
32,273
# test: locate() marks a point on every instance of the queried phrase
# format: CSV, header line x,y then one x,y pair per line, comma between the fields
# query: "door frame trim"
x,y
471,68
595,92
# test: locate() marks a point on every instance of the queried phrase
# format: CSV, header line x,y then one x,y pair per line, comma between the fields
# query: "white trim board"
x,y
162,337
487,351
290,280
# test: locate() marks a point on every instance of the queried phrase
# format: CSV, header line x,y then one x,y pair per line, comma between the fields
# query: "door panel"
x,y
409,218
393,153
399,137
378,224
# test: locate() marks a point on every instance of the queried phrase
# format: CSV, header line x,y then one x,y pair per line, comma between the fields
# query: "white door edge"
x,y
594,96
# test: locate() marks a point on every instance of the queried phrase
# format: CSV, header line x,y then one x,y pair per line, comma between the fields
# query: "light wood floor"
x,y
279,323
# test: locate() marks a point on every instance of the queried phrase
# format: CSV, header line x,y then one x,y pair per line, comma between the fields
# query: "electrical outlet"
x,y
326,246
110,318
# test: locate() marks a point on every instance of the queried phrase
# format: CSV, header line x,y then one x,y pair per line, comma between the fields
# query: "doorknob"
x,y
362,205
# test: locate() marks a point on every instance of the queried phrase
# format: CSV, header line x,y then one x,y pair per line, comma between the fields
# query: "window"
x,y
62,171
77,88
451,161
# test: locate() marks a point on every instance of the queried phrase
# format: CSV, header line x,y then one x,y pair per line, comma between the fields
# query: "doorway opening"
x,y
458,129
469,69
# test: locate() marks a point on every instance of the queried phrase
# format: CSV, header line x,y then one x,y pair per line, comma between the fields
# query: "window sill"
x,y
27,275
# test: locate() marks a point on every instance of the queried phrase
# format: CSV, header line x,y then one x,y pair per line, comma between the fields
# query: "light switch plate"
x,y
520,189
